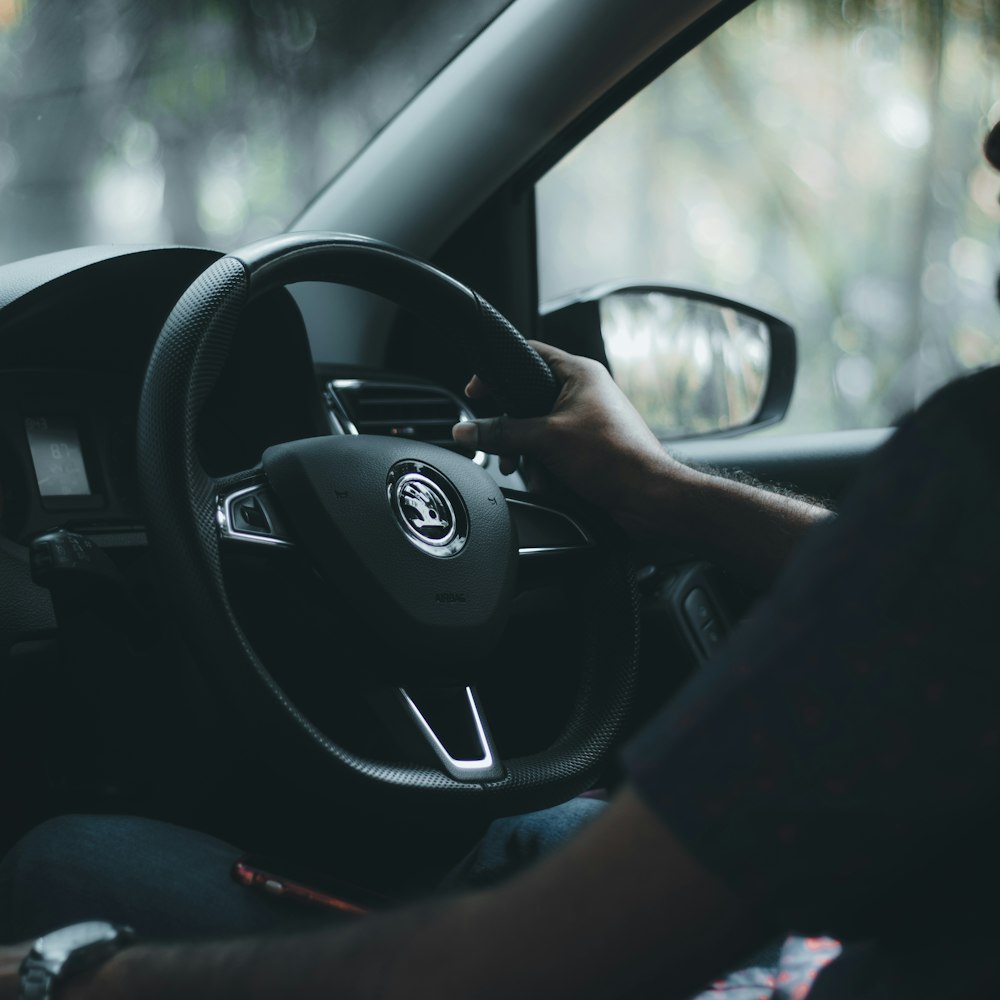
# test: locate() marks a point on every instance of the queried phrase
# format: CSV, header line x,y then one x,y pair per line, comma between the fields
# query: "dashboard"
x,y
95,667
76,329
76,332
66,442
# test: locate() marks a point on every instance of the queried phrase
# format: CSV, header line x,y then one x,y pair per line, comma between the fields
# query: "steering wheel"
x,y
422,542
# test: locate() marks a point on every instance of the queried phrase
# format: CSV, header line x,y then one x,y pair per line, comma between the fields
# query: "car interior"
x,y
250,585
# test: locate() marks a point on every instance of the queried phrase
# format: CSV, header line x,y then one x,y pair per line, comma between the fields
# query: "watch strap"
x,y
36,980
63,953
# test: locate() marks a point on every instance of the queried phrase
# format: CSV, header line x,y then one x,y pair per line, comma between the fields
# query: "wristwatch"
x,y
62,953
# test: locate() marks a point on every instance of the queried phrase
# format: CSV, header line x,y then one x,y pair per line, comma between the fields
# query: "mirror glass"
x,y
688,366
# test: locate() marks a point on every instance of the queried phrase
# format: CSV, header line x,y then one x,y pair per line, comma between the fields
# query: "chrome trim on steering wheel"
x,y
586,542
484,766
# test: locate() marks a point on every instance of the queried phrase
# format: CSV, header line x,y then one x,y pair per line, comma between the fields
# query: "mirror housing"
x,y
693,363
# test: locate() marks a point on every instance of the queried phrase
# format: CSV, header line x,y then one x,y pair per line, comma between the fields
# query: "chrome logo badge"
x,y
427,508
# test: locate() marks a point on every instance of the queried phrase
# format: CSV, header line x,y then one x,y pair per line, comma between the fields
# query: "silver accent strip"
x,y
225,520
543,551
485,763
341,423
586,541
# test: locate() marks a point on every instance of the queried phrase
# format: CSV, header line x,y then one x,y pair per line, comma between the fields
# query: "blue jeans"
x,y
171,883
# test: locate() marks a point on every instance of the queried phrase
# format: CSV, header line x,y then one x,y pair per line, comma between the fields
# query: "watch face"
x,y
60,945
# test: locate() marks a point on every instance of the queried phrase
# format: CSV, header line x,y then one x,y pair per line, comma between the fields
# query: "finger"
x,y
501,435
466,434
476,388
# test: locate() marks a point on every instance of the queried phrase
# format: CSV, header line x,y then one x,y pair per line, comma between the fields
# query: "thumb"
x,y
501,435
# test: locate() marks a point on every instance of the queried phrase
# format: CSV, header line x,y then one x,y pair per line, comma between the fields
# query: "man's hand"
x,y
596,443
593,441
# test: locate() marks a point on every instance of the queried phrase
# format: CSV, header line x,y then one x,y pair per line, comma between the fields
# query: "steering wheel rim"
x,y
182,503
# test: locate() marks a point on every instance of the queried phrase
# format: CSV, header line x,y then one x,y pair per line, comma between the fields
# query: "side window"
x,y
822,168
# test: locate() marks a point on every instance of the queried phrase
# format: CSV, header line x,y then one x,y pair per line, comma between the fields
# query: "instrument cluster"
x,y
67,442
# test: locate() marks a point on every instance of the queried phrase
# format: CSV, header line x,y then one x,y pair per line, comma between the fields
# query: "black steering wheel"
x,y
422,542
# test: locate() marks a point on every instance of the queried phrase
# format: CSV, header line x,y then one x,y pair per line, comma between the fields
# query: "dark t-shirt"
x,y
838,763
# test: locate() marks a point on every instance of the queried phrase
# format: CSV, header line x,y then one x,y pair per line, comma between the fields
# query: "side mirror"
x,y
691,362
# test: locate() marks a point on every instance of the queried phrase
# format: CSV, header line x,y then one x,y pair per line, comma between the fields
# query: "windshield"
x,y
198,121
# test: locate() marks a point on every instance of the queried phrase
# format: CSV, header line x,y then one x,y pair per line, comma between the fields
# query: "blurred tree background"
x,y
198,121
822,160
816,157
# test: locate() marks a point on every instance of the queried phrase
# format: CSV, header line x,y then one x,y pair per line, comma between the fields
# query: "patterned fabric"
x,y
799,962
838,763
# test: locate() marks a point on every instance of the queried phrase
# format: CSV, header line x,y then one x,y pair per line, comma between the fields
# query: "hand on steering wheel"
x,y
593,441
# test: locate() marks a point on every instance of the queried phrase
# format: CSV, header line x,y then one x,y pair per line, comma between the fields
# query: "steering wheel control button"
x,y
249,516
704,620
697,608
428,508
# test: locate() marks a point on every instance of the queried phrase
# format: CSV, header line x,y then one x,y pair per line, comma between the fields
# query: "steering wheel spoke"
x,y
551,543
446,726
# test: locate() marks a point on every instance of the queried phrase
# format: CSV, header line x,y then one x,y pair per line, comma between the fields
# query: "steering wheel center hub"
x,y
424,535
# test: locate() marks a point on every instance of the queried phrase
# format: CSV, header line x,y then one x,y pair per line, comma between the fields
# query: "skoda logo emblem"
x,y
427,508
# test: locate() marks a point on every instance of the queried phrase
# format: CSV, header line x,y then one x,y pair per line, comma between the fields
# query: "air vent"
x,y
395,409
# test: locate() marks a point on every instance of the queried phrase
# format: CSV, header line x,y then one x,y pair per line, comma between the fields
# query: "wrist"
x,y
62,962
662,501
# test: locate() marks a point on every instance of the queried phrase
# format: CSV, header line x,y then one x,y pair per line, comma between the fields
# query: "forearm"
x,y
407,953
749,530
597,444
623,909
